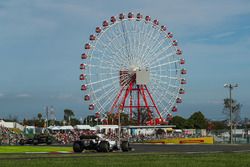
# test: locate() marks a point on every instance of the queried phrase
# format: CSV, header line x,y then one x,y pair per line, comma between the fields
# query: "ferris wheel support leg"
x,y
116,100
126,95
130,106
146,102
153,102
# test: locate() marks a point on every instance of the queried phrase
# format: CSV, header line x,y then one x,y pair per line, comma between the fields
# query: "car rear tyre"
x,y
125,146
78,146
104,146
35,142
21,142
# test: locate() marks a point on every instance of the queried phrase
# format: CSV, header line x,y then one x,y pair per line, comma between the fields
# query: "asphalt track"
x,y
166,148
190,148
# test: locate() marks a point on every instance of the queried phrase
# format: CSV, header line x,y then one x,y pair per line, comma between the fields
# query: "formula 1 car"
x,y
100,144
37,139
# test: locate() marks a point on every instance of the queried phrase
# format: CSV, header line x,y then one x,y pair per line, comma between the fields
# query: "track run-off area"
x,y
136,148
185,155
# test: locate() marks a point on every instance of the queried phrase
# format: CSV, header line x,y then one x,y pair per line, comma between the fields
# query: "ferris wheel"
x,y
131,63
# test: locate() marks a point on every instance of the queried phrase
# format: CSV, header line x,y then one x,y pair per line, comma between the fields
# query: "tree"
x,y
68,114
74,121
160,132
189,124
12,118
113,119
91,120
25,122
198,120
179,122
144,116
39,116
218,125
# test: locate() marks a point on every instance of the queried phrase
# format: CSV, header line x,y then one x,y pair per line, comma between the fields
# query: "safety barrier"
x,y
200,140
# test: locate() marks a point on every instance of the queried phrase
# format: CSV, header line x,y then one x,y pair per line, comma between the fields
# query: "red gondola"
x,y
92,37
169,117
170,35
147,18
130,15
104,121
87,46
183,81
156,22
91,107
151,122
121,16
113,19
178,52
174,109
181,91
97,115
138,16
86,97
82,66
174,43
183,71
84,56
84,87
105,23
182,61
82,77
157,121
178,100
163,28
98,29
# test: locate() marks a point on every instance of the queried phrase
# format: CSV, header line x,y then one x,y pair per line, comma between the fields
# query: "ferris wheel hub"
x,y
133,68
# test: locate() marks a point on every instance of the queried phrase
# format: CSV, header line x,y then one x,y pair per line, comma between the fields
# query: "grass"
x,y
127,159
14,156
22,149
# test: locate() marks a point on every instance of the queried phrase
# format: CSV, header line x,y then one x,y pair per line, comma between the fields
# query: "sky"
x,y
41,42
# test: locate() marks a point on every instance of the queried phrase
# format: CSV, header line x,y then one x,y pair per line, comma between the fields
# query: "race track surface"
x,y
190,148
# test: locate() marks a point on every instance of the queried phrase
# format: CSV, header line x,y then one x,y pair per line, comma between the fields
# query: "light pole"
x,y
119,127
230,87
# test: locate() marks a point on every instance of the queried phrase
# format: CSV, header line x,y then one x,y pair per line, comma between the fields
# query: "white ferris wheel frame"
x,y
146,44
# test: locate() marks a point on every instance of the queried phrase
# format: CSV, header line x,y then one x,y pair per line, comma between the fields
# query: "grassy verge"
x,y
132,160
22,149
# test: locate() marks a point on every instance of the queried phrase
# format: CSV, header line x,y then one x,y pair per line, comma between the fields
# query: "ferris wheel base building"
x,y
142,76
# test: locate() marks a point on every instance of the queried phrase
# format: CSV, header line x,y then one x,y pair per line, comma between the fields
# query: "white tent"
x,y
55,128
50,127
83,127
11,125
66,128
106,127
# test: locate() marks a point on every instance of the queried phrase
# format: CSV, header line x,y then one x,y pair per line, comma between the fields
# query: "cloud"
x,y
223,35
23,95
215,101
195,12
2,95
65,96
